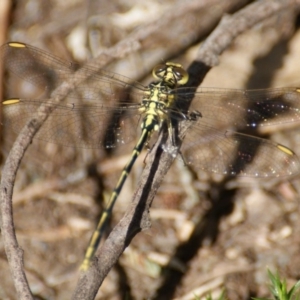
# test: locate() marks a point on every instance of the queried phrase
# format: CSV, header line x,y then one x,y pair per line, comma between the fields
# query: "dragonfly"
x,y
105,109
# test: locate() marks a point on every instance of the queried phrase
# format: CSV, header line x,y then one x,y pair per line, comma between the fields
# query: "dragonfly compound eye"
x,y
159,71
181,75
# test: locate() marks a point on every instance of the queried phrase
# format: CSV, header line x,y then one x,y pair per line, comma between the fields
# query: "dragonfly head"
x,y
171,74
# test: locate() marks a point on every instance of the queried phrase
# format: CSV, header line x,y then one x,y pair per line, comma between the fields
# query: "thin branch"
x,y
13,251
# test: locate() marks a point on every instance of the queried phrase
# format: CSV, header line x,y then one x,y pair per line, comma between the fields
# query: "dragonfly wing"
x,y
233,153
76,125
229,108
48,71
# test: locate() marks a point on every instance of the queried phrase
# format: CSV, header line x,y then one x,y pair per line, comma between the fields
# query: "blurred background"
x,y
208,233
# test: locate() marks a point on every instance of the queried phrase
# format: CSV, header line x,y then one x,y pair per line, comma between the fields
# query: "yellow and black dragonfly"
x,y
96,114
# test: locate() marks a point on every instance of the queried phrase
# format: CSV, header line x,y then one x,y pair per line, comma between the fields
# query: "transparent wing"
x,y
43,69
227,108
77,125
233,153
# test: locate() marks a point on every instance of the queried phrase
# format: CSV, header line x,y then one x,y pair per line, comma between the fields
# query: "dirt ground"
x,y
208,232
